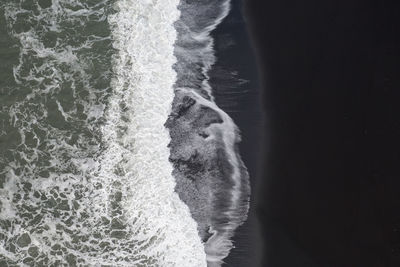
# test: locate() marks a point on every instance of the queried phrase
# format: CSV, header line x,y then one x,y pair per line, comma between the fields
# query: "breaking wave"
x,y
88,181
113,151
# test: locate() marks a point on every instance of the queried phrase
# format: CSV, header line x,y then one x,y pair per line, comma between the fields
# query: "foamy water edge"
x,y
144,82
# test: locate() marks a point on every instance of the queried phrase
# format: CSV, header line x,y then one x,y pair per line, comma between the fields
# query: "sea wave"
x,y
87,179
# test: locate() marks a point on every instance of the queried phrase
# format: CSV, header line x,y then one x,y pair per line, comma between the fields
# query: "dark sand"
x,y
234,81
331,91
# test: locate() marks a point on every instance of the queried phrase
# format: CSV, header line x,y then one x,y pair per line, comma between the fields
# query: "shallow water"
x,y
88,170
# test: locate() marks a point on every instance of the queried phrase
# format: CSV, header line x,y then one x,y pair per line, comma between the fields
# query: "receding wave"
x,y
211,177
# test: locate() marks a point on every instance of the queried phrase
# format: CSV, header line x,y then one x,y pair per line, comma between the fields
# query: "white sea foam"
x,y
91,166
143,34
219,244
196,46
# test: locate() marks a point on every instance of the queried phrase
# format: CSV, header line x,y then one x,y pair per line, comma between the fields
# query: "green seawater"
x,y
85,89
55,73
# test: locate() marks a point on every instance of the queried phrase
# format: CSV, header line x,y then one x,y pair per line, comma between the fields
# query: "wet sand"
x,y
236,89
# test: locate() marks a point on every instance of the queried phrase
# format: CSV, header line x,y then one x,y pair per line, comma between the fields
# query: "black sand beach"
x,y
235,85
330,84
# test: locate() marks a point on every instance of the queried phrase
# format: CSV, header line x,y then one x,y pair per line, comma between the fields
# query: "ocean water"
x,y
112,150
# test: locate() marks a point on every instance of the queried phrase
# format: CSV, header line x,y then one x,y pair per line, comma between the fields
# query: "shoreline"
x,y
235,85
